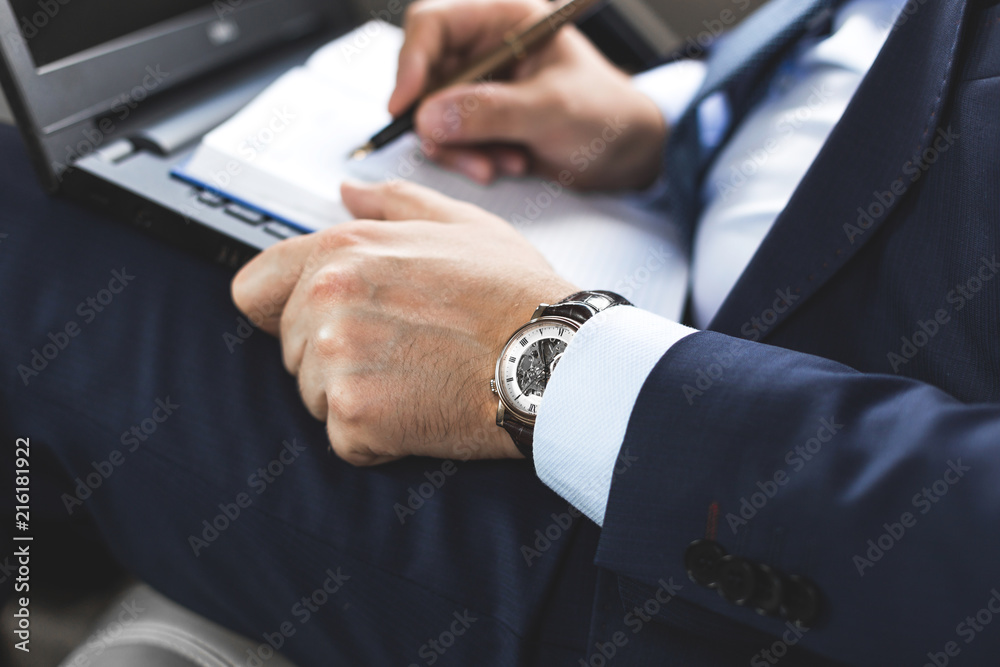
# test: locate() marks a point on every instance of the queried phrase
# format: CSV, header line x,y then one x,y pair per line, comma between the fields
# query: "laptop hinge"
x,y
116,151
167,136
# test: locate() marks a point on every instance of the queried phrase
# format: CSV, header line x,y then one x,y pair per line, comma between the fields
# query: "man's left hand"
x,y
392,323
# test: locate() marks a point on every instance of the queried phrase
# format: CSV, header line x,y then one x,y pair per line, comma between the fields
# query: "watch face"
x,y
528,361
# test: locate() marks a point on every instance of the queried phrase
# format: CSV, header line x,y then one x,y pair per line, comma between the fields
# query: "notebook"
x,y
286,152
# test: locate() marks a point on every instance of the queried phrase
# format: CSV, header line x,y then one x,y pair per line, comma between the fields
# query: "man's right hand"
x,y
564,107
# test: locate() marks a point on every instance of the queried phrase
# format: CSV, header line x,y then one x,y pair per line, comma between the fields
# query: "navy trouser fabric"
x,y
453,572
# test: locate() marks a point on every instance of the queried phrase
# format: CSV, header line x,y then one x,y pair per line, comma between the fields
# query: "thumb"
x,y
481,112
401,200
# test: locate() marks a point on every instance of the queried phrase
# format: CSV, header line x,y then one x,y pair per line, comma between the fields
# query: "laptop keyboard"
x,y
246,215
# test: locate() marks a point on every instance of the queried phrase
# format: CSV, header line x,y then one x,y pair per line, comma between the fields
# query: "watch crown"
x,y
493,386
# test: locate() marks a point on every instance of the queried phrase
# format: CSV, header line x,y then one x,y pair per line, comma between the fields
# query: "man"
x,y
823,454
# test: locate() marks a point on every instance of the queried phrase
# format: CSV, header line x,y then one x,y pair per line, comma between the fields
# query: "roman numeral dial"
x,y
528,361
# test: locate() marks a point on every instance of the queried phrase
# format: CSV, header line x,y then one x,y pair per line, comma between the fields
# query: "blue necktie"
x,y
738,65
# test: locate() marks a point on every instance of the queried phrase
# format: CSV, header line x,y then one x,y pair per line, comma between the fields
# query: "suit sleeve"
x,y
881,490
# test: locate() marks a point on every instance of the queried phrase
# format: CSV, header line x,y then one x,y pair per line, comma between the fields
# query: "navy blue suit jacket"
x,y
841,418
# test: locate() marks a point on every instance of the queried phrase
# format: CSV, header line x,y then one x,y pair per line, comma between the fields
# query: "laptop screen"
x,y
56,29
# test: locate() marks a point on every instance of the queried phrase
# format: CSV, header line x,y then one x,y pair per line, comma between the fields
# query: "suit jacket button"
x,y
737,579
701,560
770,591
802,602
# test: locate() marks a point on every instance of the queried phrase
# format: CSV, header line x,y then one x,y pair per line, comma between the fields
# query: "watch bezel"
x,y
510,410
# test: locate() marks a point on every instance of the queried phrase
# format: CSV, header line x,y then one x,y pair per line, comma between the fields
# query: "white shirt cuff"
x,y
588,402
671,86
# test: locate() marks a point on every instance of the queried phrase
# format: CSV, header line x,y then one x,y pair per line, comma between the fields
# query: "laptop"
x,y
110,95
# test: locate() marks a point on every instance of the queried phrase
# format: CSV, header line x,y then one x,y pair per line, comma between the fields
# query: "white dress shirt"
x,y
749,184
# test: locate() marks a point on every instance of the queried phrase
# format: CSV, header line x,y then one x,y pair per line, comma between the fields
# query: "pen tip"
x,y
363,152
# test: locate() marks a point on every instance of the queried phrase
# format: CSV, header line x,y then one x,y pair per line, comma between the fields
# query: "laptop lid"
x,y
75,70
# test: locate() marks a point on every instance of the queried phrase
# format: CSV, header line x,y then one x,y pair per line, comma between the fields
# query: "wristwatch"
x,y
529,357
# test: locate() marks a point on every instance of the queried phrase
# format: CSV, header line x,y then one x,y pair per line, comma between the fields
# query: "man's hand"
x,y
565,106
393,323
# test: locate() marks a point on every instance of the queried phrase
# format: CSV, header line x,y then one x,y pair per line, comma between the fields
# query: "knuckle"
x,y
562,99
351,454
289,357
340,237
330,343
240,292
348,408
341,444
314,401
398,189
418,12
333,284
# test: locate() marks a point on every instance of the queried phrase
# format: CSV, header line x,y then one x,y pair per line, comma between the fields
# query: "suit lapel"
x,y
892,119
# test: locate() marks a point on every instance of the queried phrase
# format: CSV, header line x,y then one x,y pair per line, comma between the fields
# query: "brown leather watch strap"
x,y
578,307
523,436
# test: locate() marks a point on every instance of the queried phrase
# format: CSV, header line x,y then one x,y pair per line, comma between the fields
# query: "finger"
x,y
262,287
510,160
483,112
346,446
355,442
423,48
293,331
312,383
482,164
401,200
440,29
474,163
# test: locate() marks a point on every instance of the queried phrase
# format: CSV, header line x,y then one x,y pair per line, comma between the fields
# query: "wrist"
x,y
530,356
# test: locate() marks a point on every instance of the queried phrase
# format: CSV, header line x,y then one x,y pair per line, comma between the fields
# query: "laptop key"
x,y
245,214
280,230
211,199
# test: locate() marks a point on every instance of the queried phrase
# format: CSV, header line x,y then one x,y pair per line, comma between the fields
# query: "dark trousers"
x,y
188,446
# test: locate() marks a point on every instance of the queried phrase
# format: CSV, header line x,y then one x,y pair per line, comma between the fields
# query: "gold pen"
x,y
515,47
